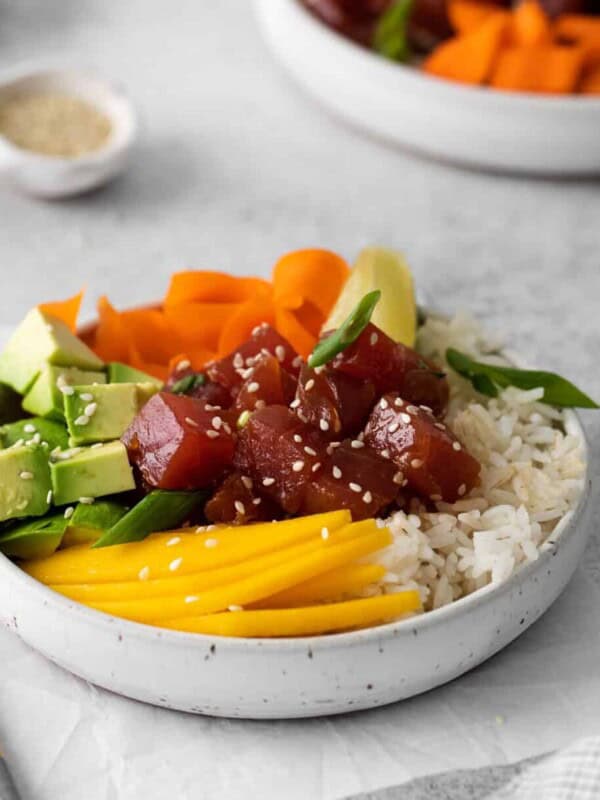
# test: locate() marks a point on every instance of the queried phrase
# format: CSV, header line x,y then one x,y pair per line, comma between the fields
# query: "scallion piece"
x,y
347,333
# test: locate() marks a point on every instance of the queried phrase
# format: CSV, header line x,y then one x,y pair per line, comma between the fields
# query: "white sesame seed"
x,y
297,362
239,507
373,339
175,540
297,438
280,352
36,438
406,418
336,472
405,482
174,565
238,361
82,420
208,407
144,573
383,403
87,501
21,442
268,481
298,466
211,542
90,409
246,481
316,467
191,598
426,409
295,403
309,384
357,444
235,607
69,512
257,501
303,418
325,533
253,387
416,463
29,428
66,389
185,363
256,330
246,373
385,453
49,496
212,434
398,402
456,446
216,422
367,497
412,409
192,422
355,487
462,489
26,476
87,397
393,427
319,370
97,446
398,478
440,426
309,451
324,425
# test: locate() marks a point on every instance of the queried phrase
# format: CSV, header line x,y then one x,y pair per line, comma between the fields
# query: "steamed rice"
x,y
532,475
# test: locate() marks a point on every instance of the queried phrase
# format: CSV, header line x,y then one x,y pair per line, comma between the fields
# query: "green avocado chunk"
x,y
91,472
90,520
10,404
158,511
123,373
24,482
103,413
38,538
45,398
42,339
35,430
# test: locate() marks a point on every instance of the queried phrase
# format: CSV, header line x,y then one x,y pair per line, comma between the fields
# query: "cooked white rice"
x,y
532,475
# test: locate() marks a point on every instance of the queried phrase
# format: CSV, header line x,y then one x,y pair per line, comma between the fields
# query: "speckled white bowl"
x,y
472,126
51,177
306,677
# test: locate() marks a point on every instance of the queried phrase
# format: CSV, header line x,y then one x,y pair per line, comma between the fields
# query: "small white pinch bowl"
x,y
471,126
52,177
303,677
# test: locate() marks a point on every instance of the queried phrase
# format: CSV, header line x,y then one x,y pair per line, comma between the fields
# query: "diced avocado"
x,y
45,398
90,521
10,404
158,511
42,339
24,482
103,413
123,373
38,538
35,430
91,472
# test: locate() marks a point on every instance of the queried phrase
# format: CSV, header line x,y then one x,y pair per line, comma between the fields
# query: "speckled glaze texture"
x,y
284,678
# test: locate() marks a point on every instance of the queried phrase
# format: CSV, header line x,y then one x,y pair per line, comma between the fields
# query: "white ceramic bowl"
x,y
472,126
52,177
305,677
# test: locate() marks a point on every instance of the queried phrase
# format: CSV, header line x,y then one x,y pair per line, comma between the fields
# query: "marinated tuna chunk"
x,y
432,460
237,501
266,383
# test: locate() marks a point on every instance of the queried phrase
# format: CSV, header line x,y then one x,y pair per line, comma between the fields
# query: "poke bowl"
x,y
303,613
470,125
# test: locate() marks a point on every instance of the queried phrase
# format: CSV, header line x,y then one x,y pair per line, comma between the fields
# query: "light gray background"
x,y
234,167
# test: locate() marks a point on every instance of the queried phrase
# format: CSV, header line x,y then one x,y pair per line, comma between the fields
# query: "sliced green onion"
x,y
243,419
188,383
347,333
391,33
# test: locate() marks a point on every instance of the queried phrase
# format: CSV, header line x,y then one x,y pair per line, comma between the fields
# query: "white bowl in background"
x,y
52,177
472,126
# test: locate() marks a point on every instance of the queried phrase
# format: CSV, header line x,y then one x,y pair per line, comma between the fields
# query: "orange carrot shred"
x,y
247,316
65,310
211,287
315,275
530,25
583,31
467,15
551,69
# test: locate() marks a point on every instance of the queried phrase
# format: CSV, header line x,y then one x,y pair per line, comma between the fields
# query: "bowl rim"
x,y
505,99
565,529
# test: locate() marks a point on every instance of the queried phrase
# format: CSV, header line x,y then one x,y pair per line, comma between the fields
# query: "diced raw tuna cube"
x,y
432,460
267,384
280,454
177,443
354,477
237,502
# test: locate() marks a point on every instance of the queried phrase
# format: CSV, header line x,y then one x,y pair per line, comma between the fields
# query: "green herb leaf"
x,y
348,332
487,378
188,383
391,37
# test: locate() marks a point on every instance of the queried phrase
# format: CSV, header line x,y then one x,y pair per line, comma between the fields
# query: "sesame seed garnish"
x,y
174,565
144,573
309,451
253,387
280,352
235,607
211,542
398,478
405,482
440,426
316,467
323,424
97,446
208,407
87,501
373,339
29,428
226,427
49,496
393,427
66,389
405,418
246,481
87,397
82,420
69,512
357,444
256,330
268,481
295,403
456,446
185,363
367,497
462,489
192,422
297,438
258,405
336,472
416,463
36,438
319,370
426,409
383,403
298,466
191,598
398,402
216,422
385,453
297,362
239,507
355,487
238,361
26,476
212,434
412,409
325,533
257,501
302,417
21,442
246,373
309,384
175,540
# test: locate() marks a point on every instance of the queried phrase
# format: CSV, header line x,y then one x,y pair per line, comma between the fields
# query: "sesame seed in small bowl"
x,y
62,132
